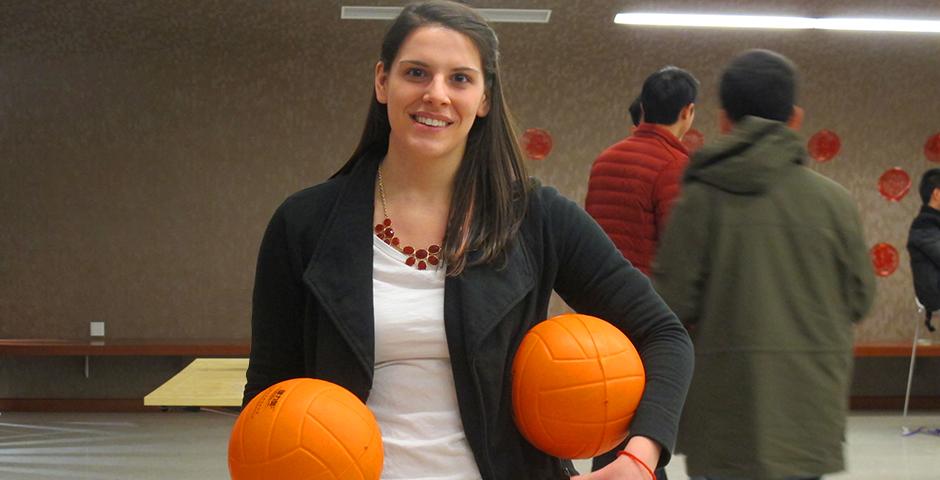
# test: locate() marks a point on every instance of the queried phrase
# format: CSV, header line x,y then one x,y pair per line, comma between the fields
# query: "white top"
x,y
413,395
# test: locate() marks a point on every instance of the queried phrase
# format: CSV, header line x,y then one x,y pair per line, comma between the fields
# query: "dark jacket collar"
x,y
928,210
479,298
341,265
927,218
340,273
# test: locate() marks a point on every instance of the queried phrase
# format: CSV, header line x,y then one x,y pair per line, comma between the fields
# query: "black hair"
x,y
928,182
665,93
760,83
636,111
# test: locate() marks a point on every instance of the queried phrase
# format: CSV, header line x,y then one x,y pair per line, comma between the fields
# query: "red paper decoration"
x,y
885,258
693,140
894,184
824,145
932,148
536,143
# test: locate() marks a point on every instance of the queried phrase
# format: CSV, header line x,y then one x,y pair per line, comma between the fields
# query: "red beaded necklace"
x,y
419,258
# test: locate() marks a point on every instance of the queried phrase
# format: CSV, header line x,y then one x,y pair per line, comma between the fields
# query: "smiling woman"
x,y
433,93
423,48
425,328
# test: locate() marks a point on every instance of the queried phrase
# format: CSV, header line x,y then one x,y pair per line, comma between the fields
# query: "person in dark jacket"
x,y
636,112
923,244
765,260
411,276
633,183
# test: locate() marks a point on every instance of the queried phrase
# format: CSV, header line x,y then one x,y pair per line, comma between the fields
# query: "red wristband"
x,y
637,460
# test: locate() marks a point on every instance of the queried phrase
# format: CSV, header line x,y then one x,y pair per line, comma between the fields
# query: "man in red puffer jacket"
x,y
634,181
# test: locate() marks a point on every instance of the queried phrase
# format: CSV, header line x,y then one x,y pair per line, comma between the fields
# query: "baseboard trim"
x,y
859,402
75,405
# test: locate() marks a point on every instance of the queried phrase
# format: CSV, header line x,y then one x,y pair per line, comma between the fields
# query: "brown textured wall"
x,y
144,144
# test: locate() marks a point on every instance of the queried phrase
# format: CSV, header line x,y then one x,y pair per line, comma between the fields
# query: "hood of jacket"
x,y
747,160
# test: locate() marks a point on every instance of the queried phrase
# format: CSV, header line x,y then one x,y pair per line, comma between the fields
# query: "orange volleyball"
x,y
576,383
305,429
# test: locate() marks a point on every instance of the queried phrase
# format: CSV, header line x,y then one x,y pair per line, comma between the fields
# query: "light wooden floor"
x,y
183,445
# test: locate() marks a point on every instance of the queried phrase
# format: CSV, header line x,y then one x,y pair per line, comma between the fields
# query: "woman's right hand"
x,y
623,468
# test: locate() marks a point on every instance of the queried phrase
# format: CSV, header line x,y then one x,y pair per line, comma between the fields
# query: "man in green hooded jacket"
x,y
765,262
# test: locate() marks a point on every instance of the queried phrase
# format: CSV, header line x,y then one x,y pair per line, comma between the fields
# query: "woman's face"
x,y
434,90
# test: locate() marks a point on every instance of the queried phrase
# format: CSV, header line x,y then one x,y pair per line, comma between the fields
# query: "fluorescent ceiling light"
x,y
509,15
726,21
778,22
879,25
369,13
515,15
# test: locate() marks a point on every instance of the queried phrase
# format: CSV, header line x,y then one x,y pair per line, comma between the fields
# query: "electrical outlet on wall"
x,y
97,329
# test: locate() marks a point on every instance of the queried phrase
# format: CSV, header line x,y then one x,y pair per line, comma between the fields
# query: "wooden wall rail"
x,y
45,347
241,348
895,350
124,347
235,348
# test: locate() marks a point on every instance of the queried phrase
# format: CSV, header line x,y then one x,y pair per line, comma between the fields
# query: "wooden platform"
x,y
206,382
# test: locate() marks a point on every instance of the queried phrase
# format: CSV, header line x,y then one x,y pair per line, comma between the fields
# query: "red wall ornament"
x,y
824,145
885,258
536,143
932,148
894,184
693,140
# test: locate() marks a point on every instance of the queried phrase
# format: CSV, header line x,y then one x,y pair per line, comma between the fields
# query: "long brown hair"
x,y
491,188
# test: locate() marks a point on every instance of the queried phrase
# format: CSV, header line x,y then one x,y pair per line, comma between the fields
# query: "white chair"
x,y
921,310
910,373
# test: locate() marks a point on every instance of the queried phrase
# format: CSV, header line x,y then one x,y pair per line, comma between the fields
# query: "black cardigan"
x,y
923,243
312,313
